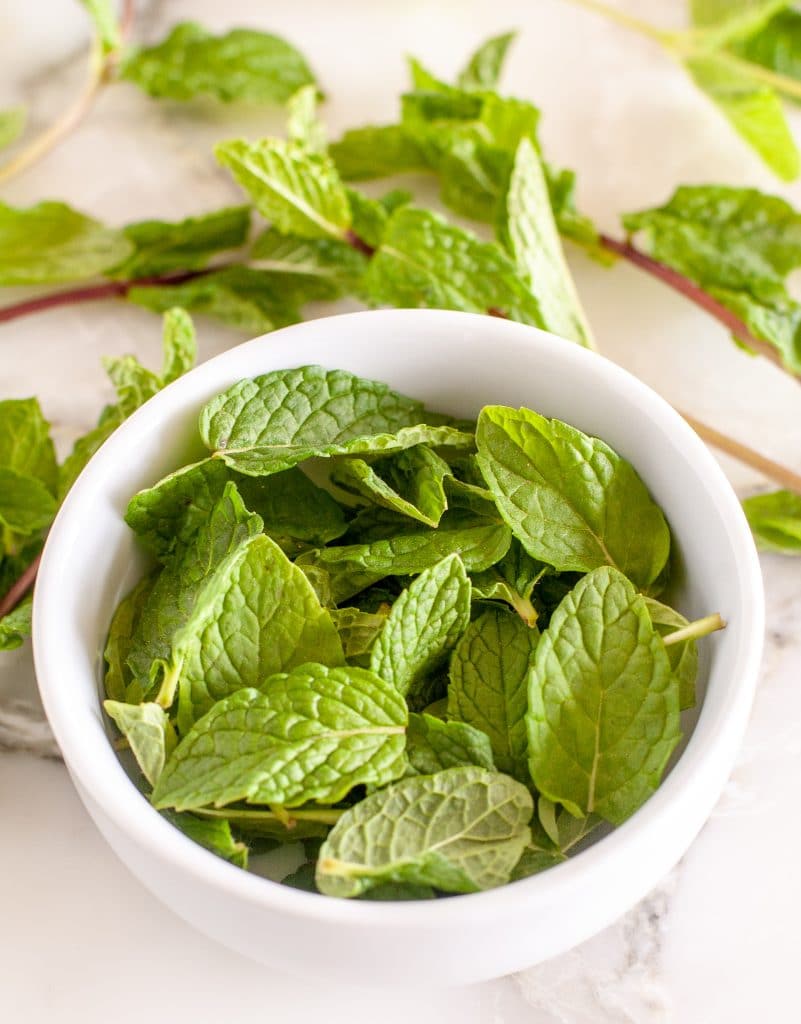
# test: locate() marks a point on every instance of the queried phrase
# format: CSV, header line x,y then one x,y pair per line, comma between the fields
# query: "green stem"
x,y
627,20
325,815
694,630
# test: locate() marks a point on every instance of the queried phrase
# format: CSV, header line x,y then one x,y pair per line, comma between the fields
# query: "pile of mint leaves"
x,y
389,634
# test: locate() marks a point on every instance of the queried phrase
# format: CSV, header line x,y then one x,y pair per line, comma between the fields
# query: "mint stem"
x,y
20,588
695,630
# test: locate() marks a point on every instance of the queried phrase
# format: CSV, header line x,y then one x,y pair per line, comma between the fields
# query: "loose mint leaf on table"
x,y
570,499
489,681
529,233
214,834
775,520
603,713
119,677
12,123
180,345
105,21
358,629
370,216
252,300
433,745
303,125
683,656
240,65
352,568
423,625
776,46
51,243
163,247
424,261
25,444
325,267
726,21
460,830
149,734
16,626
512,580
298,191
310,734
484,67
411,482
376,151
26,506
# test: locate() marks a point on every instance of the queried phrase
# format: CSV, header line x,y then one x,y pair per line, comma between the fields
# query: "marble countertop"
x,y
718,940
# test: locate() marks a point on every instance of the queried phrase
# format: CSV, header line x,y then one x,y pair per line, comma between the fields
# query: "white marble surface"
x,y
718,940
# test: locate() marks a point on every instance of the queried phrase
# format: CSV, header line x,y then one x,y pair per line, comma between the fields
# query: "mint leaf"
x,y
325,265
775,45
683,656
51,243
573,519
529,233
123,627
376,151
252,300
303,125
424,261
775,520
411,482
461,830
423,625
352,568
240,65
257,615
163,247
433,745
484,67
727,20
214,834
753,109
25,444
148,731
488,687
16,626
512,580
180,345
603,702
26,505
358,629
299,191
310,734
12,123
105,21
370,216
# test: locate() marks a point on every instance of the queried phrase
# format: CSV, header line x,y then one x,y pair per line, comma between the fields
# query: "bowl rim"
x,y
114,792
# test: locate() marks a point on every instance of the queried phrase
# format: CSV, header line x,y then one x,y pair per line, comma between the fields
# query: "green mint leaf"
x,y
528,231
775,520
118,678
104,19
163,247
180,345
300,192
358,629
536,857
777,46
86,446
572,224
512,580
240,65
25,444
484,67
488,684
148,731
423,79
461,830
16,626
352,568
603,701
683,656
51,243
728,20
303,125
424,261
411,482
256,615
12,124
433,745
310,734
252,300
602,515
214,834
323,267
370,216
376,151
753,109
422,628
134,383
26,506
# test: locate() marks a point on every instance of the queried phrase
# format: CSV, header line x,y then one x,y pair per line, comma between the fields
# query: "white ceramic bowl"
x,y
455,362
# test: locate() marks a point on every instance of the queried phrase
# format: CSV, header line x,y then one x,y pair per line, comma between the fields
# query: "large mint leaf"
x,y
257,615
603,701
683,656
162,247
352,568
775,520
461,830
433,745
569,498
423,625
25,444
240,65
148,731
411,482
126,617
16,626
327,264
484,67
299,191
488,684
529,232
311,734
424,261
51,243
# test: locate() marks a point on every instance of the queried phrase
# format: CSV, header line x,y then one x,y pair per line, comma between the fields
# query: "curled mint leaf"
x,y
358,629
148,731
119,678
512,580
